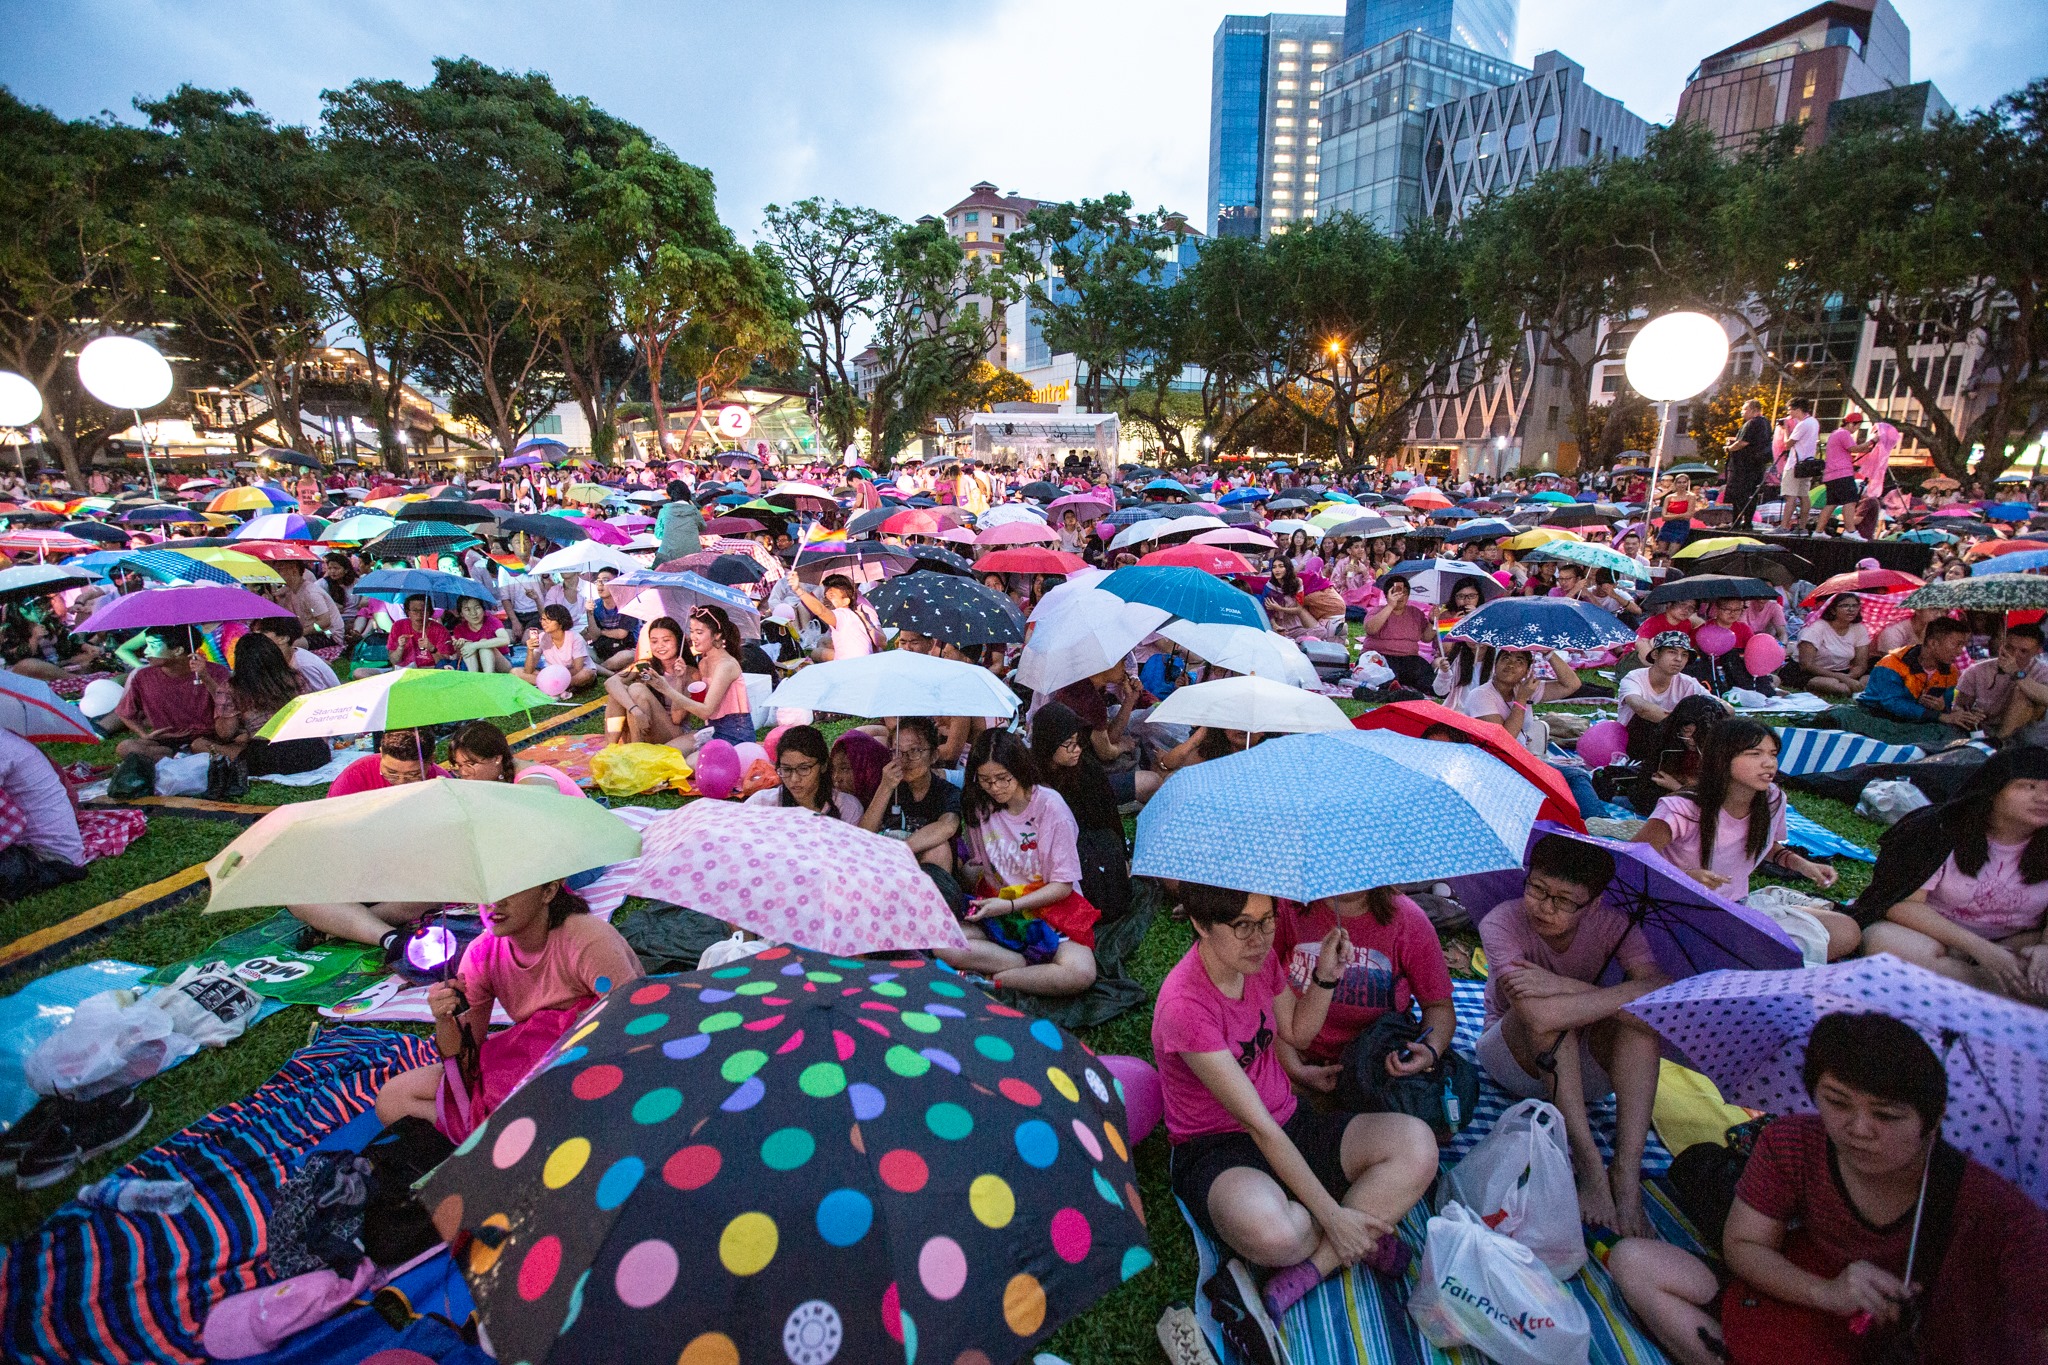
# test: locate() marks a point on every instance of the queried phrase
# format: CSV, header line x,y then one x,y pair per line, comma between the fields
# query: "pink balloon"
x,y
1603,742
553,680
718,769
1144,1101
1714,640
771,741
1763,654
751,753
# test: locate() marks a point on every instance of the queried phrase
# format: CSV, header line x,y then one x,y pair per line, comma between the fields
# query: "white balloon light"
x,y
20,401
1676,356
124,372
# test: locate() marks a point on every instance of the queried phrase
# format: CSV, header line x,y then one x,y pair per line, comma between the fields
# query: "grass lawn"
x,y
1118,1330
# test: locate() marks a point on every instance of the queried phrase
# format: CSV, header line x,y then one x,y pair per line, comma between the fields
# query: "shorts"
x,y
1499,1061
1124,786
1197,1163
1841,492
736,728
1792,486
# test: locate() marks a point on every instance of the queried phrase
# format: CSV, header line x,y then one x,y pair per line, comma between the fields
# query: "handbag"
x,y
474,1084
1443,1097
1809,468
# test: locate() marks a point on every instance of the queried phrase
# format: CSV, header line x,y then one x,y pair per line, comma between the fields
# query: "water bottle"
x,y
128,1195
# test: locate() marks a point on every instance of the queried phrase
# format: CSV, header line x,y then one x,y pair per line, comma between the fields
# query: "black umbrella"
x,y
451,510
1240,516
867,521
97,530
1769,562
1708,587
958,611
560,530
733,570
298,458
939,559
410,538
855,554
30,517
1585,514
1039,491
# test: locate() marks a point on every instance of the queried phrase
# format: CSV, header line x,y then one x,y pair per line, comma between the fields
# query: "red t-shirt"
x,y
366,774
1087,701
1654,626
1989,1301
1389,966
1193,1016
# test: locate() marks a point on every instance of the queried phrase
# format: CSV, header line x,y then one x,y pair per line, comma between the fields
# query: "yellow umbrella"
x,y
243,500
591,493
1713,545
1542,535
442,840
219,519
1335,514
244,569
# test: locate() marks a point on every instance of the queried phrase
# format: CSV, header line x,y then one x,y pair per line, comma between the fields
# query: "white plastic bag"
x,y
110,1042
1372,670
1487,1291
1888,799
1519,1181
182,774
208,1004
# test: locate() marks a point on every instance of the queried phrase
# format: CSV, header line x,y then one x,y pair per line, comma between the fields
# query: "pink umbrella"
x,y
631,523
44,543
911,523
959,535
194,604
791,877
1236,536
1019,533
603,532
1087,506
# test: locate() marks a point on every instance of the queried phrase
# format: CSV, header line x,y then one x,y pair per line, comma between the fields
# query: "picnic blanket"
x,y
1359,1318
1803,751
103,1286
1809,836
570,753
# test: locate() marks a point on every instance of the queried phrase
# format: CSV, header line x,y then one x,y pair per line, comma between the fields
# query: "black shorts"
x,y
1124,786
1197,1163
1841,492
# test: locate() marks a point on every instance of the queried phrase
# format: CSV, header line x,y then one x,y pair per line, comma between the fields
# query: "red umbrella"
x,y
1984,549
1426,497
1414,717
1884,582
1208,558
384,490
1029,559
279,551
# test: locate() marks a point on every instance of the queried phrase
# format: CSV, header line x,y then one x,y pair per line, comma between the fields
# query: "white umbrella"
x,y
897,682
32,709
1082,634
586,556
1236,537
1251,705
1141,532
1243,649
1287,526
1056,597
1004,513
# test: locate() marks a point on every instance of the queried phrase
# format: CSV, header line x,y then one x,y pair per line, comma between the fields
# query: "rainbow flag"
x,y
816,535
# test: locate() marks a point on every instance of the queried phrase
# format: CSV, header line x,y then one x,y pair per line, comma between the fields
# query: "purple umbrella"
x,y
1747,1032
1689,928
520,462
188,605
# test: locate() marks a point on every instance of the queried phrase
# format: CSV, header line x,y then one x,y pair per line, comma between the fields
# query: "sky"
x,y
896,104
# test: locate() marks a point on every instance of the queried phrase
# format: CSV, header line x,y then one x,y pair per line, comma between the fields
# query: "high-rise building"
x,y
1486,26
1793,71
981,223
1265,119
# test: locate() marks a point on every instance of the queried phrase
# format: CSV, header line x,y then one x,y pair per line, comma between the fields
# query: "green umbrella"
x,y
1992,592
403,700
1692,471
1590,556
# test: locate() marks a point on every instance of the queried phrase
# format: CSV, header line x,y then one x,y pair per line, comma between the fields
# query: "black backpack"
x,y
1442,1097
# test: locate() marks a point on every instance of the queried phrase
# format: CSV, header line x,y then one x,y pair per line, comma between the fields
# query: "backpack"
x,y
1443,1097
1703,1179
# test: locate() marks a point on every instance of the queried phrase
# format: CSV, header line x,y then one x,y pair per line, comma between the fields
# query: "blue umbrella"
x,y
1188,593
151,515
1453,514
1238,497
1928,537
165,566
1279,467
1124,516
1333,495
444,590
2019,563
1543,623
1432,580
1306,816
1169,486
1486,528
2009,511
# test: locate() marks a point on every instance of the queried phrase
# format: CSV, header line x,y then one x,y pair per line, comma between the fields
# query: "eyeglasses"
x,y
1556,900
796,769
996,779
918,751
1246,930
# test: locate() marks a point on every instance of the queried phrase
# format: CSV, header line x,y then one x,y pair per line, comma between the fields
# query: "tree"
x,y
1718,421
833,257
980,389
75,261
744,314
1094,269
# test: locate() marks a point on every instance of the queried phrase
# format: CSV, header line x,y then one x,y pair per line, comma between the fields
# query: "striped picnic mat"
x,y
1359,1318
1802,751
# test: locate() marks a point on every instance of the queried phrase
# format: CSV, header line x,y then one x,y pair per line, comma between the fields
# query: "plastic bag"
x,y
1372,670
208,1004
183,774
630,769
1519,1181
112,1041
1487,1291
1888,799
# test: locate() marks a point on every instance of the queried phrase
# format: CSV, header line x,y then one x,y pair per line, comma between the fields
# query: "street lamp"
x,y
1673,358
20,404
127,372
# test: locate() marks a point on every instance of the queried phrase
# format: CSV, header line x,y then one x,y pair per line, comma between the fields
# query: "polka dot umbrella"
x,y
958,611
796,1158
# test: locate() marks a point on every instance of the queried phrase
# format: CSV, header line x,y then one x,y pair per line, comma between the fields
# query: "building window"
x,y
956,220
1551,417
999,223
974,217
1279,229
1585,141
1286,85
1283,140
973,236
1955,373
1283,159
1290,66
1610,383
1812,84
1283,122
1290,46
549,424
1319,49
1283,194
995,236
1283,104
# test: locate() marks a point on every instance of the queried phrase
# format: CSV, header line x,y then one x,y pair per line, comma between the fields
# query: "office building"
x,y
1793,71
1486,26
1265,119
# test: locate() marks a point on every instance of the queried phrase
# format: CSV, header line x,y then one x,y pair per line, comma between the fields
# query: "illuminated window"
x,y
1283,104
999,223
1288,85
973,236
1290,46
1320,49
1283,140
1318,66
1283,123
1279,229
1805,112
1315,87
1290,66
1309,177
1812,84
1283,177
1283,194
1284,159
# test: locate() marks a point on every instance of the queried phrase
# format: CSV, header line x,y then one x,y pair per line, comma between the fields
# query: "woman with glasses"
x,y
916,805
479,752
1028,925
1296,1192
803,765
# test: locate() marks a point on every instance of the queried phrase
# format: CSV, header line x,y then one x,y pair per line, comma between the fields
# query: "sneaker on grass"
x,y
1241,1316
87,1129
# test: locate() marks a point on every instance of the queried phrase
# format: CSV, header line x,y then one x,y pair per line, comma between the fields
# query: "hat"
x,y
1672,639
102,695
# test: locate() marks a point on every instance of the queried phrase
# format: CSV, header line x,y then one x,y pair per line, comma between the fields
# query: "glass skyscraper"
x,y
1265,120
1486,26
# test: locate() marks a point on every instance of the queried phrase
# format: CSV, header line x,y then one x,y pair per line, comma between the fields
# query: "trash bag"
x,y
208,1004
1888,798
113,1040
1487,1291
630,769
1519,1181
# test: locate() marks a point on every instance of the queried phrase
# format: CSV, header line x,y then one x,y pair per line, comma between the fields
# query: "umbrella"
x,y
797,1158
279,526
1712,545
1543,623
958,611
357,528
590,494
1562,499
897,682
1287,526
193,605
939,559
1992,592
2009,511
1139,533
1307,816
1688,928
1210,559
780,874
586,557
160,515
443,590
1078,631
2025,562
1124,516
1039,491
1989,549
96,531
1026,532
1238,497
1416,717
862,560
168,566
260,498
1591,557
1584,514
297,458
1003,513
912,522
1536,539
40,580
1242,649
1426,497
1885,582
1251,706
404,700
1691,471
243,568
730,569
32,709
1927,538
43,544
279,551
603,532
1772,563
1237,537
646,595
1432,581
560,530
1708,587
867,522
451,510
1086,506
1484,528
408,539
1187,593
442,840
1747,1031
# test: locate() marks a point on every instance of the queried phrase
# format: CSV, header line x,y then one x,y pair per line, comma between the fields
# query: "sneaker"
x,y
89,1129
1181,1339
1242,1318
17,1141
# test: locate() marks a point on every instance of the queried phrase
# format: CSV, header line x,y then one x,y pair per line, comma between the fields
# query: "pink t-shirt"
x,y
568,654
1402,633
1191,1015
1389,965
1042,844
1510,941
1731,840
366,774
1995,903
1840,456
583,956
